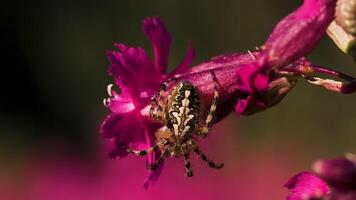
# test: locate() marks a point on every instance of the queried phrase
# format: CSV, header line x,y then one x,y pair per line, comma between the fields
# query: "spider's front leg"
x,y
144,152
209,121
149,150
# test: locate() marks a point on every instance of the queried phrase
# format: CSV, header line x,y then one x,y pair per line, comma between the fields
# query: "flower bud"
x,y
278,88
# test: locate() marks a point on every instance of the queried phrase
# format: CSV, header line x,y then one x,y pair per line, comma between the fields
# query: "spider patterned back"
x,y
183,109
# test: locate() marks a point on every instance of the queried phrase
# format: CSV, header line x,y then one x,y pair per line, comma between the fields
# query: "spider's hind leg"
x,y
188,167
207,160
154,166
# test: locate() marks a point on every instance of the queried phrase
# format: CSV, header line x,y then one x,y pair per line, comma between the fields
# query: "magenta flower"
x,y
292,38
340,174
247,83
306,186
137,78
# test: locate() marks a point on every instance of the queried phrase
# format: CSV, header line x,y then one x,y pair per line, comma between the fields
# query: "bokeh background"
x,y
53,79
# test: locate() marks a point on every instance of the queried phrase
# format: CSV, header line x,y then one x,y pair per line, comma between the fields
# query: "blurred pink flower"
x,y
306,186
340,174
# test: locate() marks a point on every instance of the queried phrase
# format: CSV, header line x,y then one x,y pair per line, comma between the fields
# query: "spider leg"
x,y
143,152
157,109
188,167
148,150
207,160
204,130
154,166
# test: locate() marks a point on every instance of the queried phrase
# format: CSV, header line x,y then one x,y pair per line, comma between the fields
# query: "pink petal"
x,y
305,186
130,65
161,41
133,68
186,62
116,149
123,130
298,33
119,103
242,104
118,125
278,88
227,60
252,79
153,176
338,172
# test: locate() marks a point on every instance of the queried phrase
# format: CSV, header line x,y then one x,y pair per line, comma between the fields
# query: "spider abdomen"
x,y
183,109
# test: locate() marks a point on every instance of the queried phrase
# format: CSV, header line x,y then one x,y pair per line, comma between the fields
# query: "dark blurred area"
x,y
54,75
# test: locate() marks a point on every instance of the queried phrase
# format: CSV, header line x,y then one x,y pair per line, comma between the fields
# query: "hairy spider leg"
x,y
154,166
210,163
143,152
205,130
148,150
188,166
157,109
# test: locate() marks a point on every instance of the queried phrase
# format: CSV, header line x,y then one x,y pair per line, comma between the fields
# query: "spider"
x,y
180,114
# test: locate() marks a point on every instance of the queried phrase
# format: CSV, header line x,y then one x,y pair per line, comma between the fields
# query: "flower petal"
x,y
153,176
161,41
339,173
252,78
133,68
124,130
116,125
152,158
119,103
130,62
306,186
242,104
278,88
116,149
298,33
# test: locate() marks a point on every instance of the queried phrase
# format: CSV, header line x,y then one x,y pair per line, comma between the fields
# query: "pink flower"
x,y
306,186
292,38
137,78
340,174
247,83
